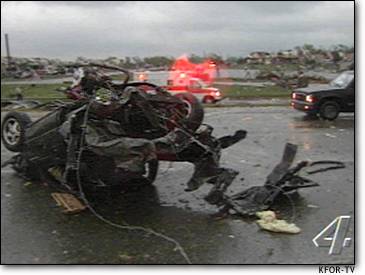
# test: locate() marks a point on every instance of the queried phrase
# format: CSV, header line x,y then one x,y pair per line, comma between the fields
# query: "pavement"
x,y
252,102
35,231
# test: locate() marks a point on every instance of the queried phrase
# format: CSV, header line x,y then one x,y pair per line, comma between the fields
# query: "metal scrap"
x,y
281,181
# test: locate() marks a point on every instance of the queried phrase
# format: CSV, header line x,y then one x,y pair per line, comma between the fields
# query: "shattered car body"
x,y
123,140
120,143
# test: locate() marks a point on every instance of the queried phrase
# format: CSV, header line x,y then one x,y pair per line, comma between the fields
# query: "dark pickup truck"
x,y
327,100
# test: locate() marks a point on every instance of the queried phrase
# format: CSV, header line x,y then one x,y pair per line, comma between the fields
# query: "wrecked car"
x,y
118,141
122,139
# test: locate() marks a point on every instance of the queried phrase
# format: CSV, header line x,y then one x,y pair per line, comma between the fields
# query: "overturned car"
x,y
118,142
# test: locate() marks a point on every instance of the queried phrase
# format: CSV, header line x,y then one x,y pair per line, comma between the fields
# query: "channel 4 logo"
x,y
334,235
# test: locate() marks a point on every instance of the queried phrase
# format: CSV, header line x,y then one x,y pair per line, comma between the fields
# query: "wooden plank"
x,y
69,202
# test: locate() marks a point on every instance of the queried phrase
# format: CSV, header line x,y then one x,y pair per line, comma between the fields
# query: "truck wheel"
x,y
208,100
329,110
13,130
194,111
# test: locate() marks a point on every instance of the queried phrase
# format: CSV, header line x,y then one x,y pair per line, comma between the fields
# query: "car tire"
x,y
329,110
13,129
195,113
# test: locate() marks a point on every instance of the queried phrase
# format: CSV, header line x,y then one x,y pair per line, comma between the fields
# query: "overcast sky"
x,y
102,29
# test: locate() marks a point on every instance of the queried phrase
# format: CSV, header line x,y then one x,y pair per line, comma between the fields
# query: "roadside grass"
x,y
57,76
246,92
285,67
43,92
47,92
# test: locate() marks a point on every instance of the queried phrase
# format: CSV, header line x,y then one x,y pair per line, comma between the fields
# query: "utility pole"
x,y
7,49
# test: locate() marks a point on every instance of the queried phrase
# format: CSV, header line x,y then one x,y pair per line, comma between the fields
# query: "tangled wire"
x,y
124,226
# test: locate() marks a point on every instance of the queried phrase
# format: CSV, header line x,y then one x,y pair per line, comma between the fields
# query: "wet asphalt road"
x,y
34,231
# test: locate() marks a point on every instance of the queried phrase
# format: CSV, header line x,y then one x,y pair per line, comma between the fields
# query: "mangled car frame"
x,y
119,141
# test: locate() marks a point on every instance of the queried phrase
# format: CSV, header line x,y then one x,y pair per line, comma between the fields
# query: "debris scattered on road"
x,y
268,221
312,206
27,183
330,135
281,181
88,151
69,202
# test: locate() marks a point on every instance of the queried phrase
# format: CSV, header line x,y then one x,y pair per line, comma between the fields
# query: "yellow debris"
x,y
269,222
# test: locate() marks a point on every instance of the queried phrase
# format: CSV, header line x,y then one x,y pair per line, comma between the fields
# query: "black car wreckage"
x,y
91,143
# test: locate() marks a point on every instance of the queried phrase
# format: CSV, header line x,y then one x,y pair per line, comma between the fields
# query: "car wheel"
x,y
329,110
13,130
193,109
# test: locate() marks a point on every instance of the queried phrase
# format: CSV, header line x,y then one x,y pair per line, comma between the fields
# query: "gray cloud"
x,y
99,29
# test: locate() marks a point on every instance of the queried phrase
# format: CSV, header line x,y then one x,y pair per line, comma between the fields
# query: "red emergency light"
x,y
142,77
182,69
